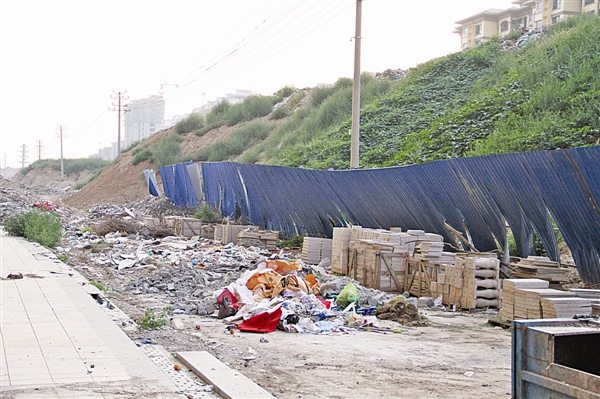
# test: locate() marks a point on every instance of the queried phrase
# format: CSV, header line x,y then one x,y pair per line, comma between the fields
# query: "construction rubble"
x,y
200,276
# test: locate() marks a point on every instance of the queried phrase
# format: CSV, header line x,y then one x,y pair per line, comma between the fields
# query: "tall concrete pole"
x,y
355,135
62,170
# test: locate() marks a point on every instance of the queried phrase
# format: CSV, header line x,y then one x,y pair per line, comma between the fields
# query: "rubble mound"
x,y
13,198
391,74
397,309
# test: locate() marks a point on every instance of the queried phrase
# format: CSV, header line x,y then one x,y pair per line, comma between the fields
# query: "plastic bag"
x,y
348,295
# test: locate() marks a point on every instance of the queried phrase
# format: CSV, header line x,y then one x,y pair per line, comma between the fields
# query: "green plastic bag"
x,y
348,295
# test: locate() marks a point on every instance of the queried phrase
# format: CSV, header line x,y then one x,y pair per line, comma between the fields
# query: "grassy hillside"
x,y
486,100
545,95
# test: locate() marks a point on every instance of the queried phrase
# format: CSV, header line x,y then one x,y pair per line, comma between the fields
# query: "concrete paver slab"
x,y
229,383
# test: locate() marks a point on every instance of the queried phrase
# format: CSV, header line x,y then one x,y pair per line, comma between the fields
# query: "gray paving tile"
x,y
52,332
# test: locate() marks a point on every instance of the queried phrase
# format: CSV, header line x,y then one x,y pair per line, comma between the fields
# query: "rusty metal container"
x,y
556,358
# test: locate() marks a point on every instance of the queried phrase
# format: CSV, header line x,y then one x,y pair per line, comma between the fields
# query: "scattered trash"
x,y
15,276
398,309
348,295
469,374
177,366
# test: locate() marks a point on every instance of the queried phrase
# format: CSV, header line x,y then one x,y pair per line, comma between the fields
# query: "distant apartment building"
x,y
108,153
143,118
231,98
531,14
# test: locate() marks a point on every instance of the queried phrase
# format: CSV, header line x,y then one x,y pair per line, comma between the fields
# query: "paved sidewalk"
x,y
56,342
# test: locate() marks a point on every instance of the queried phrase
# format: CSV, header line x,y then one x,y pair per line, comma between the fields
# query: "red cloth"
x,y
262,323
232,299
324,302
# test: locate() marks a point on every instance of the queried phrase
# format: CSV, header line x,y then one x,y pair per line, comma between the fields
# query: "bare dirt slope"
x,y
50,177
122,182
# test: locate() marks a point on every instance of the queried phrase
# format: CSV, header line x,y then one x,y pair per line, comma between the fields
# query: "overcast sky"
x,y
62,60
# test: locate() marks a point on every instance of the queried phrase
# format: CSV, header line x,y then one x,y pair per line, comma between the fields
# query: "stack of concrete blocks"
x,y
374,252
528,302
509,288
473,281
187,227
543,268
448,284
429,247
316,249
252,236
533,299
218,237
249,237
379,264
268,238
339,250
564,307
230,233
481,282
150,221
429,260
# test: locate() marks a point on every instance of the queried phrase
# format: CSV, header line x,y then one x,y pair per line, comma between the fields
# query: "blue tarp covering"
x,y
150,177
178,186
476,196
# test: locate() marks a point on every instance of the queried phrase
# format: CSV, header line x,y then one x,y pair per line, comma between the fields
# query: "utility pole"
x,y
355,134
61,134
23,155
120,109
39,145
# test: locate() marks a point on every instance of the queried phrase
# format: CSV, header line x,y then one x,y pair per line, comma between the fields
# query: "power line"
x,y
253,48
23,155
119,96
61,134
40,145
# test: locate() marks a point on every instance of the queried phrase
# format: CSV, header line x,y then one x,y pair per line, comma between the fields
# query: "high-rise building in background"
x,y
143,118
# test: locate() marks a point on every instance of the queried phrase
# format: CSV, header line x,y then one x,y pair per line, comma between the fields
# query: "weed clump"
x,y
40,226
153,321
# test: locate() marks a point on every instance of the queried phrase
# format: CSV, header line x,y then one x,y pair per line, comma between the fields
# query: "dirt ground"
x,y
459,355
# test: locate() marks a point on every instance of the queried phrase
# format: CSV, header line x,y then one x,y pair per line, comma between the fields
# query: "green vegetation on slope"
x,y
69,165
477,102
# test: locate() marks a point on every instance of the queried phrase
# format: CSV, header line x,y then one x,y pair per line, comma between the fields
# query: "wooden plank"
x,y
392,273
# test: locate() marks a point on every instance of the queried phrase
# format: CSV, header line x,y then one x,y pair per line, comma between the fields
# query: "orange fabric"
x,y
269,279
284,267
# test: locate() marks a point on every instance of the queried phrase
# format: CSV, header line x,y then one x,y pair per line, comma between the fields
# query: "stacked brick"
x,y
339,250
532,299
316,249
252,236
473,281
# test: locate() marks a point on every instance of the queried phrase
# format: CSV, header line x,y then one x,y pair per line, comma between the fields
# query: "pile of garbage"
x,y
148,206
16,198
13,199
279,294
